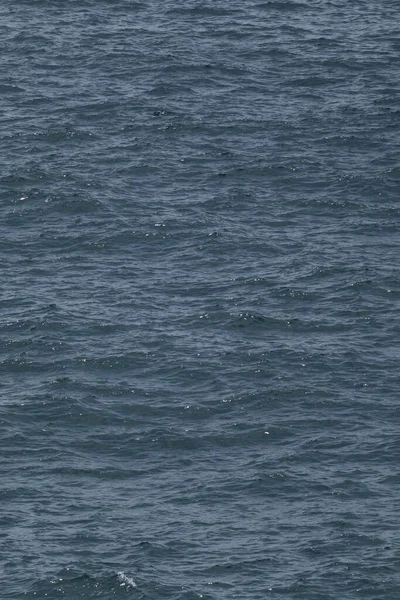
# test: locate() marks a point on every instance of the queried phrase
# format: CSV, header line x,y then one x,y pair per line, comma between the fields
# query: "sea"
x,y
200,300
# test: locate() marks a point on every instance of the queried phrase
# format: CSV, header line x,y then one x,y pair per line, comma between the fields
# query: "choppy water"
x,y
200,287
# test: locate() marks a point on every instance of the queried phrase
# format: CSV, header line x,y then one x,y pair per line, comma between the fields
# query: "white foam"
x,y
124,580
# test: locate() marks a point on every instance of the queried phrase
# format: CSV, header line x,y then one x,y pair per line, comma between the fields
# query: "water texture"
x,y
200,299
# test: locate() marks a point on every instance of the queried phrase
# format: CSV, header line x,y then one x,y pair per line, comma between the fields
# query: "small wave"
x,y
125,580
71,583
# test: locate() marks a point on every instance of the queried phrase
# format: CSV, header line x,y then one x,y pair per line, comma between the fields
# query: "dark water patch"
x,y
282,6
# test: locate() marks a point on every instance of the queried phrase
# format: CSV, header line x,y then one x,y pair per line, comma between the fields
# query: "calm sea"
x,y
200,299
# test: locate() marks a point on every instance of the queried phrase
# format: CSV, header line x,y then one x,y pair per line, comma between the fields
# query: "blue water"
x,y
200,299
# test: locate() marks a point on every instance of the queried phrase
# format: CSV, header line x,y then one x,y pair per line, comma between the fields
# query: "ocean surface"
x,y
200,300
